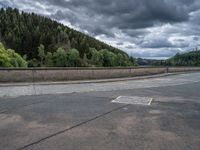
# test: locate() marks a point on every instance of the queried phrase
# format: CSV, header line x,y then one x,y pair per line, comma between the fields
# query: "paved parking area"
x,y
88,120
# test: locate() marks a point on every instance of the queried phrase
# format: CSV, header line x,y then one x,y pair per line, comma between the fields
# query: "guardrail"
x,y
66,74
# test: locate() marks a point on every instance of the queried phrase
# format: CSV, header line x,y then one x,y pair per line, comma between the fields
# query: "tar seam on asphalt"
x,y
72,127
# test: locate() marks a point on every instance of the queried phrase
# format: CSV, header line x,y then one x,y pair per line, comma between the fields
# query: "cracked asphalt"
x,y
85,119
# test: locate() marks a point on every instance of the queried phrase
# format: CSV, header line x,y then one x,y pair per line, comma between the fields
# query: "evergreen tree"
x,y
61,45
41,54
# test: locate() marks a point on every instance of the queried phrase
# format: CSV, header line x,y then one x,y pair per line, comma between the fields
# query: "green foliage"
x,y
41,54
9,58
4,59
47,43
72,58
186,59
96,58
24,32
60,58
49,60
33,63
120,59
108,58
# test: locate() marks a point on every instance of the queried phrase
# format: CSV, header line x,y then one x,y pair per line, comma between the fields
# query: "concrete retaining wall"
x,y
66,74
183,69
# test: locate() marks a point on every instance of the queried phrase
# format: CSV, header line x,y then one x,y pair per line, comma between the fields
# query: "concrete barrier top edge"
x,y
76,68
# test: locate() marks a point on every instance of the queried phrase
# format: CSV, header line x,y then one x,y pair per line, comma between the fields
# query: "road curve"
x,y
36,89
86,118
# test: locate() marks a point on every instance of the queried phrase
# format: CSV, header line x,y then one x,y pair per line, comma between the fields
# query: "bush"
x,y
9,58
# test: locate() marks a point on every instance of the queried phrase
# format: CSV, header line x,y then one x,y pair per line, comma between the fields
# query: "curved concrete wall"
x,y
66,74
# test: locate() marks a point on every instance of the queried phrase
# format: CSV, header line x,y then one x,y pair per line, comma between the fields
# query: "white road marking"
x,y
135,100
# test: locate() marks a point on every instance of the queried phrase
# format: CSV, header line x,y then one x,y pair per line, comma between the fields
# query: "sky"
x,y
155,29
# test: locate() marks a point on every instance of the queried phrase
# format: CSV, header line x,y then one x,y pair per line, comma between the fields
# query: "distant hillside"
x,y
186,59
146,62
25,32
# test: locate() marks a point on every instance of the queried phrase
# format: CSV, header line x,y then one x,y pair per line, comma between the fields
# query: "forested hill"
x,y
25,32
186,59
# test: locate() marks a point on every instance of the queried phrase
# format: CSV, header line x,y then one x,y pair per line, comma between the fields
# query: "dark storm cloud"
x,y
59,15
196,38
129,46
128,14
156,43
147,26
119,43
2,5
67,15
135,32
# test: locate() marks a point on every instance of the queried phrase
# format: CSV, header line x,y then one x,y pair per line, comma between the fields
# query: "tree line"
x,y
186,59
71,58
62,58
45,42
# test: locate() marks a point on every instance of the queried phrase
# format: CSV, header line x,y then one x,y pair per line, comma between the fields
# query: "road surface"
x,y
85,118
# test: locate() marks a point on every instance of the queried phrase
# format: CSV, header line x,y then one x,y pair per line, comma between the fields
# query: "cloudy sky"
x,y
142,28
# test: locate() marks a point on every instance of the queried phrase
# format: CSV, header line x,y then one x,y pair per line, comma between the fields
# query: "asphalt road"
x,y
85,119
